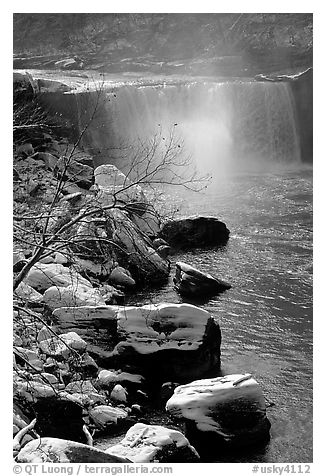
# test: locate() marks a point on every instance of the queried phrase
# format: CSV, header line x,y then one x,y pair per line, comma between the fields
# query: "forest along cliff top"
x,y
206,44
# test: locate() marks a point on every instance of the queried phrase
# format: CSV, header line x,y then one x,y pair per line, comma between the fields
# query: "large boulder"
x,y
181,340
194,232
154,444
74,295
221,413
190,281
42,276
55,450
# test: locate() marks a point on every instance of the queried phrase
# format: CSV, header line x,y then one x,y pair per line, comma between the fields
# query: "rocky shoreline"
x,y
83,239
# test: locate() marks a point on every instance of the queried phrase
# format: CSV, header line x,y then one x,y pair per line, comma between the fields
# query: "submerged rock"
x,y
195,232
55,450
154,444
190,281
181,340
221,413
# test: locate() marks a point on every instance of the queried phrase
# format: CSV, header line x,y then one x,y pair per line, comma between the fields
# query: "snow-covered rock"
x,y
50,450
192,282
226,410
181,340
153,443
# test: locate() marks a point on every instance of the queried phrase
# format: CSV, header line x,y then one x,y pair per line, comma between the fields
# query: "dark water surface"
x,y
266,317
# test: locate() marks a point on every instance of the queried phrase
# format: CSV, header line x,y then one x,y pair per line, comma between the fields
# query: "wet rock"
x,y
55,450
190,281
74,295
153,443
182,340
195,232
42,276
221,413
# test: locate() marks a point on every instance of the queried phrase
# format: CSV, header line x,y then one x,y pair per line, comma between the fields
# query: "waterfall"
x,y
227,126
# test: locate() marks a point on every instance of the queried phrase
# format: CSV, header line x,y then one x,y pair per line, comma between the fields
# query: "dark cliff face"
x,y
190,43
